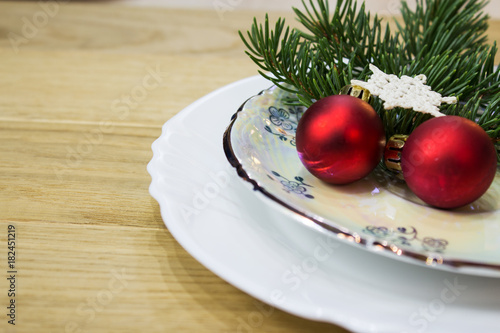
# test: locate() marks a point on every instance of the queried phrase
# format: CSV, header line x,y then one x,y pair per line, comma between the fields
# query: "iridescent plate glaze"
x,y
378,213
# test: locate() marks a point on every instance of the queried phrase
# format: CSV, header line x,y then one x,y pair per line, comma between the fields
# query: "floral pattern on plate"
x,y
407,236
283,123
296,186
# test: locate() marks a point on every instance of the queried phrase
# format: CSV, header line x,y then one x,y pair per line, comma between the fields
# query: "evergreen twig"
x,y
443,39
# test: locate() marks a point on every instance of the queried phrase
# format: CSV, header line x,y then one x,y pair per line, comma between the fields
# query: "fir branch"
x,y
456,25
442,39
362,38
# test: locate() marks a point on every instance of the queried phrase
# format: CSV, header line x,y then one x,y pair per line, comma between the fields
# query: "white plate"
x,y
287,264
378,212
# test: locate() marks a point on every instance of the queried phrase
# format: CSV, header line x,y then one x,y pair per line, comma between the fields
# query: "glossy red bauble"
x,y
449,162
340,139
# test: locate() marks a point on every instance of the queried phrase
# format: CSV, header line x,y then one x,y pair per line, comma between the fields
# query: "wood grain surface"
x,y
92,252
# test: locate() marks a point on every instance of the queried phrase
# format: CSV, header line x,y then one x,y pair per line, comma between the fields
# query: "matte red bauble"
x,y
340,139
449,162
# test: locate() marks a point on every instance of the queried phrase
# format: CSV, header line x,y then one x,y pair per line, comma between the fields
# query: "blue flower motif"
x,y
297,186
433,244
292,186
284,123
381,232
280,118
408,237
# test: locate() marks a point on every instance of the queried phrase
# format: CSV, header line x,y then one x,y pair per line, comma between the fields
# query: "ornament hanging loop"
x,y
392,153
358,92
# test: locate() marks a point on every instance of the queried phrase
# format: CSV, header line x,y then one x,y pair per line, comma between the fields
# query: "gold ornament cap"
x,y
358,92
393,150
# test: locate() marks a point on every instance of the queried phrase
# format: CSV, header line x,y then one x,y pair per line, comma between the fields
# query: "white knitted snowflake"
x,y
405,92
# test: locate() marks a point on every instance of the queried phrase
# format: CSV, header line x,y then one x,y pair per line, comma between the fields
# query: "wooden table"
x,y
92,252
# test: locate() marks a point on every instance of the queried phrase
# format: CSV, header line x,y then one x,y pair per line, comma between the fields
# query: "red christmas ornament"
x,y
449,162
340,139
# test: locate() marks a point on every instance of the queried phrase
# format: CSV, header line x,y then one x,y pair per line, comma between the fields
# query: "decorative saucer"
x,y
378,213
